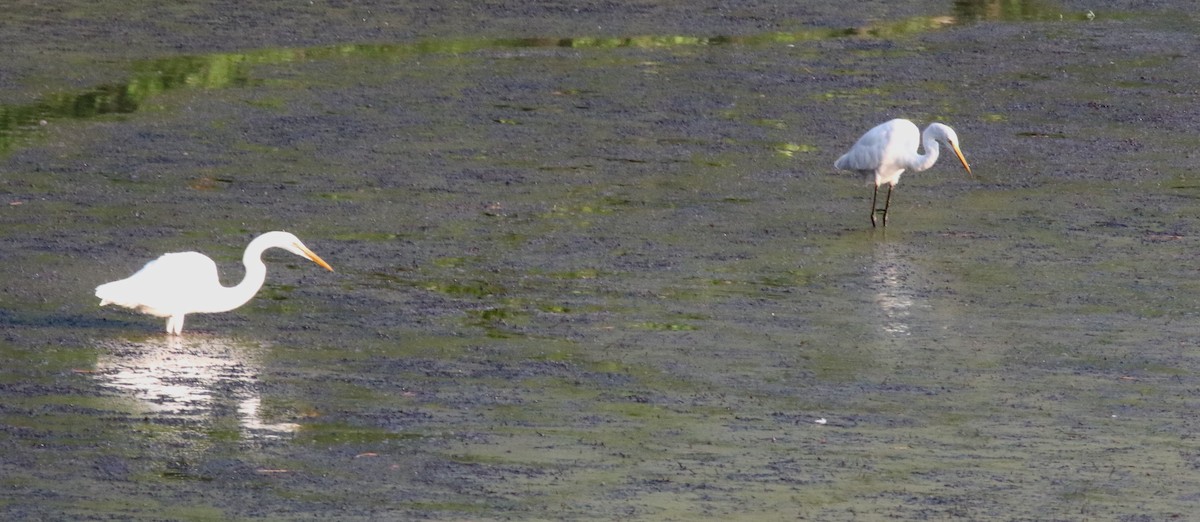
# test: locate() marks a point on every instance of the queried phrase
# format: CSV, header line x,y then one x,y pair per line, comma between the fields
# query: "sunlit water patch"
x,y
196,379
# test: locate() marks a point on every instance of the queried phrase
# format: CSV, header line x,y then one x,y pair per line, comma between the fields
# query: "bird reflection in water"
x,y
195,378
893,293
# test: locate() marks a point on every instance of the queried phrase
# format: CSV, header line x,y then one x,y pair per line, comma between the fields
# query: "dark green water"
x,y
610,276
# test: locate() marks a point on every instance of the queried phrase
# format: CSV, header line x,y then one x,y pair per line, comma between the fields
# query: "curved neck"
x,y
226,298
932,148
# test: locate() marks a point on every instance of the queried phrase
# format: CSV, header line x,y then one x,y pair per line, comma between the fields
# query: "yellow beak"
x,y
317,259
960,157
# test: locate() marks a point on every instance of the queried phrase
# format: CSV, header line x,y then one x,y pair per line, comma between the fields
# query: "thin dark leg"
x,y
873,196
887,203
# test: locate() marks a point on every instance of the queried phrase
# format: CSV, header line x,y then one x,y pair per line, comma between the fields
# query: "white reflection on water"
x,y
195,378
893,293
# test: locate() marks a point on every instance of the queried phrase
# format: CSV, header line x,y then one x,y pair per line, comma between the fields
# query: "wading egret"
x,y
889,149
182,283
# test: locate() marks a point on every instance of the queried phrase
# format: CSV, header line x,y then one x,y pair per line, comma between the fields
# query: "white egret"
x,y
889,149
182,283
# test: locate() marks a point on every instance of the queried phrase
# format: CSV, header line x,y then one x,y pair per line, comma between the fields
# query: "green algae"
x,y
582,321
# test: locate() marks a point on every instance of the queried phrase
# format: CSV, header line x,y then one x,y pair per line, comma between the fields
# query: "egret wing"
x,y
883,144
867,152
164,286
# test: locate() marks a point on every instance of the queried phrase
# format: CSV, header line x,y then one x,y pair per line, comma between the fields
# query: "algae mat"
x,y
594,262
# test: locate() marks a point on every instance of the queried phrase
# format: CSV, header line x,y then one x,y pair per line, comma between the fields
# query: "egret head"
x,y
291,243
947,135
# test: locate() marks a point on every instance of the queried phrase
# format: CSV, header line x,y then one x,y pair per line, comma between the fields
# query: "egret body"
x,y
182,283
888,150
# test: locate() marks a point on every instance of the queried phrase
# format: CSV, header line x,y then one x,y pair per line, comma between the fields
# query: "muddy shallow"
x,y
602,273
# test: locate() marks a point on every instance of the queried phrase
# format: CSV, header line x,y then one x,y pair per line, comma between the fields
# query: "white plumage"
x,y
178,284
888,150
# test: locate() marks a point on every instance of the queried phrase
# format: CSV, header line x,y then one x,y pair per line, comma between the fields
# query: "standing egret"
x,y
182,283
890,148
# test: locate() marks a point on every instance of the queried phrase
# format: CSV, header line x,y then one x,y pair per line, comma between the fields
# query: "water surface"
x,y
611,273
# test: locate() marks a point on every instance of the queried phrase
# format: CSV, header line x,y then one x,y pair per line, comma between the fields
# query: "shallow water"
x,y
612,276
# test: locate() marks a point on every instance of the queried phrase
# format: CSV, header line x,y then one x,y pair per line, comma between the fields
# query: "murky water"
x,y
615,276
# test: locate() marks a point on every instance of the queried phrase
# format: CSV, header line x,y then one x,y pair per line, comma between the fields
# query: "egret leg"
x,y
175,325
873,196
887,203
